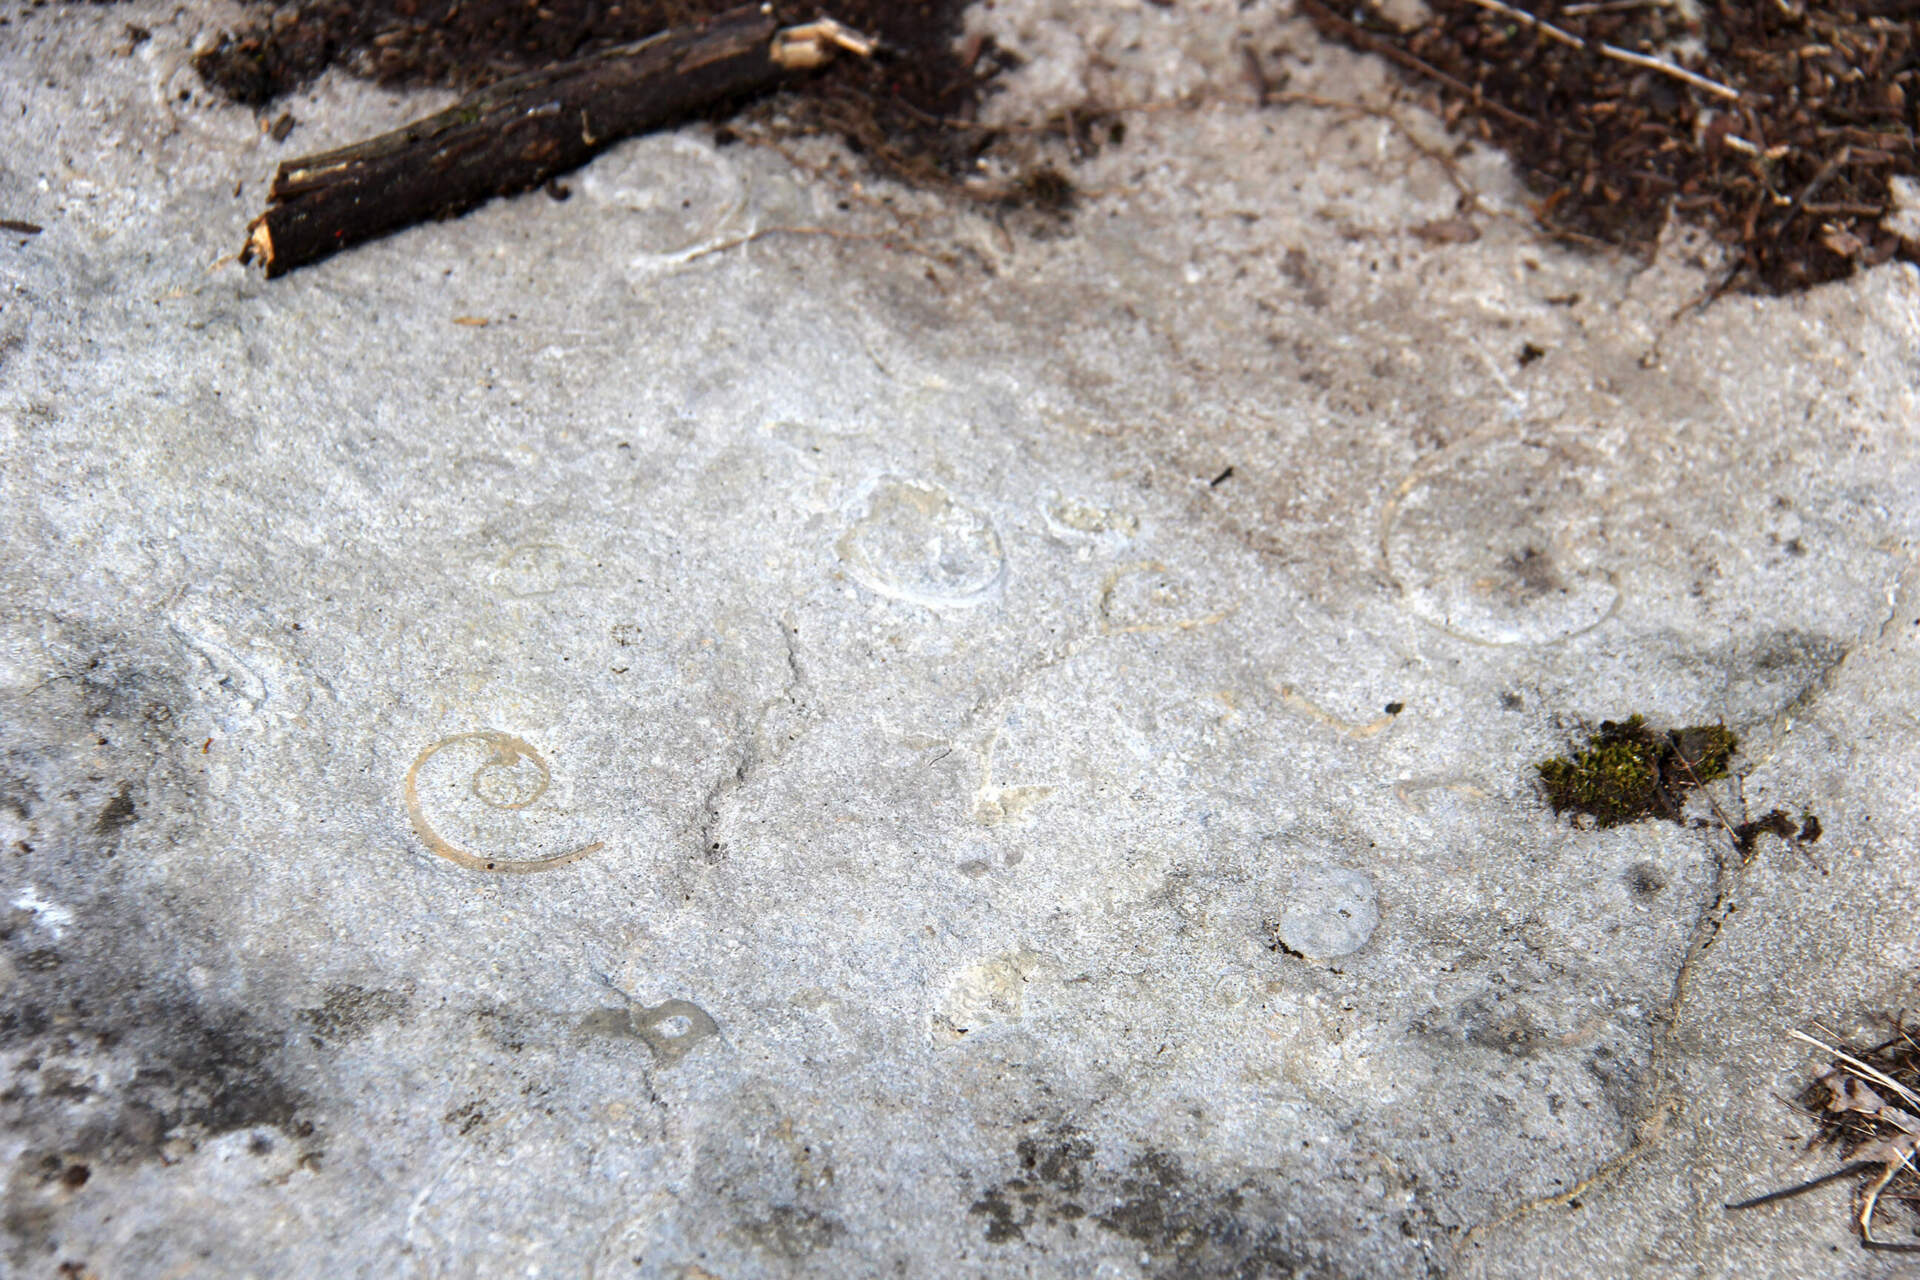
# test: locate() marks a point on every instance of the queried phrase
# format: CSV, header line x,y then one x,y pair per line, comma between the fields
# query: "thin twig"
x,y
1873,1201
1613,6
1613,51
1702,788
520,132
1860,1068
1787,1193
832,233
1678,72
1850,209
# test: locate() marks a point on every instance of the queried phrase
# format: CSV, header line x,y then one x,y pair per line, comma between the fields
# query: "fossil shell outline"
x,y
913,541
505,751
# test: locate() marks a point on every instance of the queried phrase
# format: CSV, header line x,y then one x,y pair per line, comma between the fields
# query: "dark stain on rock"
x,y
1485,1024
1299,272
114,1056
1791,651
112,1008
18,794
1773,669
1182,1227
1645,879
1198,1231
1005,1222
1053,1169
1509,1031
113,1005
21,1020
792,1232
118,812
27,1221
1057,1162
1621,1078
1532,575
349,1012
127,1084
506,1027
466,1118
213,1075
1195,1231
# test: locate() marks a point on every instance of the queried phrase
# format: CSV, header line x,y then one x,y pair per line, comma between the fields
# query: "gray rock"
x,y
943,727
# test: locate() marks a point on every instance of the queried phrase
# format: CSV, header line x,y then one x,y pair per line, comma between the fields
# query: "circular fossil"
x,y
1331,912
913,542
511,777
1499,541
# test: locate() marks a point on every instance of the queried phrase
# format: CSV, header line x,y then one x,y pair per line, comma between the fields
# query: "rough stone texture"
x,y
957,747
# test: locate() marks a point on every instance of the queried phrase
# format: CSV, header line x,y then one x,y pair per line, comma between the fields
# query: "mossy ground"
x,y
1629,772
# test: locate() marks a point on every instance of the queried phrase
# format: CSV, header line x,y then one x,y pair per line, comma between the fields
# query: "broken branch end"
x,y
813,44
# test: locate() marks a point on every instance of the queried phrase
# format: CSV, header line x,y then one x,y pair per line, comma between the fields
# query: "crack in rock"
x,y
754,752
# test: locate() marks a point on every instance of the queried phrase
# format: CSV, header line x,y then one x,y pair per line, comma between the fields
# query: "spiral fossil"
x,y
504,752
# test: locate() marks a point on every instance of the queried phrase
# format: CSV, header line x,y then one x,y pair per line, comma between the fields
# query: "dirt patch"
x,y
1791,166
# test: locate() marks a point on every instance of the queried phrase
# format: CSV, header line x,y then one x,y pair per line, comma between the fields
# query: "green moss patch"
x,y
1629,772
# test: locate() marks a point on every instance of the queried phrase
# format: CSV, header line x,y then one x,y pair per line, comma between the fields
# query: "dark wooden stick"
x,y
1787,1193
517,134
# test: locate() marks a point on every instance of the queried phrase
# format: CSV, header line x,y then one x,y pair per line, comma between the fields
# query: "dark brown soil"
x,y
888,107
1793,177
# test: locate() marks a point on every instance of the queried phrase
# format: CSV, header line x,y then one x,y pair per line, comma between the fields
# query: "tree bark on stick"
x,y
517,134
